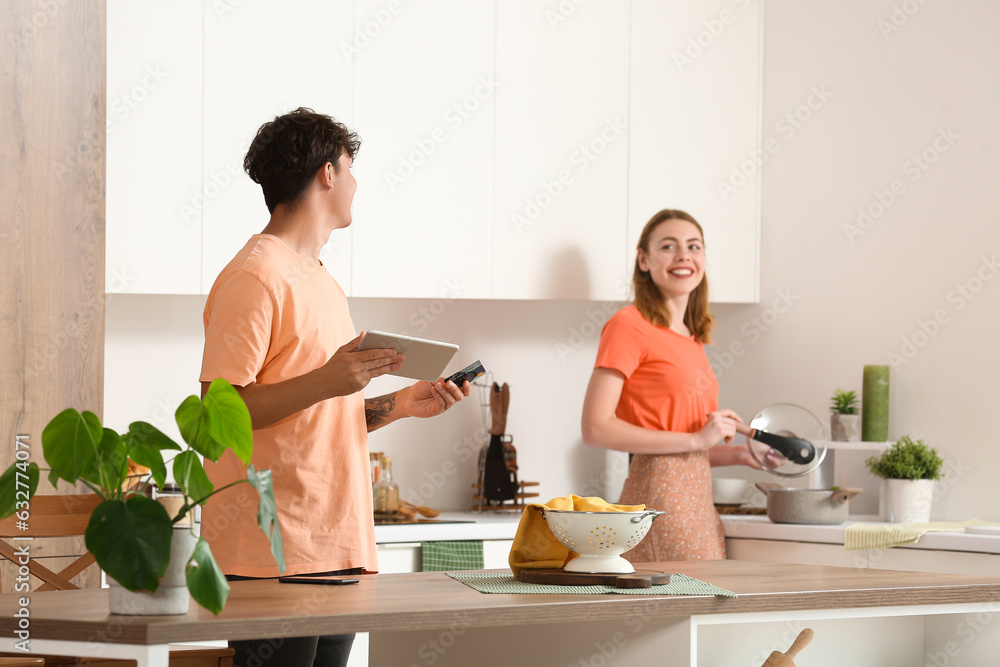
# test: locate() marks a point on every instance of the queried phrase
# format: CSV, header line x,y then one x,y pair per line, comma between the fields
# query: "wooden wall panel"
x,y
52,191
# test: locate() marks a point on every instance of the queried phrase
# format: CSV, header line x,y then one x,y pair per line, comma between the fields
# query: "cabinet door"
x,y
496,554
154,93
694,142
398,557
424,105
561,150
927,560
263,60
802,553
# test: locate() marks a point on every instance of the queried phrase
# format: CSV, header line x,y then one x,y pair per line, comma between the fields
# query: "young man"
x,y
277,327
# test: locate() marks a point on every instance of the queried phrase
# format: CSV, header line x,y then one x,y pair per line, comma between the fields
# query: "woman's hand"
x,y
772,458
721,425
426,399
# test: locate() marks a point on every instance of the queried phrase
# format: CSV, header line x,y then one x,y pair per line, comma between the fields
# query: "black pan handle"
x,y
795,450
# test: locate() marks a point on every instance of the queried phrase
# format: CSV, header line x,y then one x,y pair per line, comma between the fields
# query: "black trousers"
x,y
323,651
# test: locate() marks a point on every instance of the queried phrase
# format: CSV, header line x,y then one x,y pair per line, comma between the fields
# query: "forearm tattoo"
x,y
377,410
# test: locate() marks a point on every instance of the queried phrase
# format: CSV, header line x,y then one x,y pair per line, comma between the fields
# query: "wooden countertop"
x,y
432,600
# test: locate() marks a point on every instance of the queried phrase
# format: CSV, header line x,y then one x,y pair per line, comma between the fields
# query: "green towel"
x,y
451,555
504,582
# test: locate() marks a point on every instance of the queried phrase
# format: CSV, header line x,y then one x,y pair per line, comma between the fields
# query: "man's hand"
x,y
423,399
426,399
349,370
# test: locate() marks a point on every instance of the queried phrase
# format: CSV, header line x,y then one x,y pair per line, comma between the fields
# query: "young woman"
x,y
653,394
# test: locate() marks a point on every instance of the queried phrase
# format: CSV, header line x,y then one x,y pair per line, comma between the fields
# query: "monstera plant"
x,y
129,533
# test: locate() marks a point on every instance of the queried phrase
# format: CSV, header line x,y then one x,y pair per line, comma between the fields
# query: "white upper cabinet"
x,y
509,148
154,100
424,106
561,178
263,60
695,130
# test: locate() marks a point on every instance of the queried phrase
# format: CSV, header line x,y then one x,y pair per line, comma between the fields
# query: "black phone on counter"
x,y
322,581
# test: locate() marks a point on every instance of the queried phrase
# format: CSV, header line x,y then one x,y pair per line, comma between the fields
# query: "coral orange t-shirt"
x,y
670,384
273,315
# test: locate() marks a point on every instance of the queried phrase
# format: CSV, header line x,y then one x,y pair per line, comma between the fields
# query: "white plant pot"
x,y
910,500
171,597
845,428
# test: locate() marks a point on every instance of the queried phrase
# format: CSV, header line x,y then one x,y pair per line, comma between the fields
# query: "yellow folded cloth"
x,y
885,535
534,544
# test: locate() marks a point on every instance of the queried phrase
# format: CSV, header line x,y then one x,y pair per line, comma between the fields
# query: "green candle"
x,y
875,404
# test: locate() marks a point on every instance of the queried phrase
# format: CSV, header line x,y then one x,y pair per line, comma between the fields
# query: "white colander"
x,y
600,538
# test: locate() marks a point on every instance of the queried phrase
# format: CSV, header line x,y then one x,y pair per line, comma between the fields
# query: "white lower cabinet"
x,y
899,558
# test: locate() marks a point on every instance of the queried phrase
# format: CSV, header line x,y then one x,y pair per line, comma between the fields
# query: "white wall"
x,y
858,298
543,350
880,96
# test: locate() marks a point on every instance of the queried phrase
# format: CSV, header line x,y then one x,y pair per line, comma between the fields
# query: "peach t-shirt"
x,y
273,315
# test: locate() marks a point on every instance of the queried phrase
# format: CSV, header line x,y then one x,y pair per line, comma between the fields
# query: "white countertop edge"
x,y
484,526
761,528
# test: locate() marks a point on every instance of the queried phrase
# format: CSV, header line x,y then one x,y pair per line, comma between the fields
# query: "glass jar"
x,y
385,492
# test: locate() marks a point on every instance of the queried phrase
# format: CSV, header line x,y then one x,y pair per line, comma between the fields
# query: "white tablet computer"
x,y
425,359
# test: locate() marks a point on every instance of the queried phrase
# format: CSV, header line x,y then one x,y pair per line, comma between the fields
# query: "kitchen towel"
x,y
881,536
451,555
501,582
534,544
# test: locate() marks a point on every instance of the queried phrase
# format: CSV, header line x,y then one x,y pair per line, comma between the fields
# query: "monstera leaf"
x,y
131,541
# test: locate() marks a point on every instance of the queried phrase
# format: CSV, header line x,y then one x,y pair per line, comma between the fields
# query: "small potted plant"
x,y
132,536
845,422
910,469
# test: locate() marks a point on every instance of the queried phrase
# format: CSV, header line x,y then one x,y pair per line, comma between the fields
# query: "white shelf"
x,y
857,445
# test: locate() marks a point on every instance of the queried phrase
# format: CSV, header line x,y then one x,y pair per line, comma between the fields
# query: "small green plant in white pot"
x,y
132,536
910,469
845,421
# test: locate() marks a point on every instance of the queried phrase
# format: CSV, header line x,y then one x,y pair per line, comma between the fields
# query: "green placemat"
x,y
504,582
451,555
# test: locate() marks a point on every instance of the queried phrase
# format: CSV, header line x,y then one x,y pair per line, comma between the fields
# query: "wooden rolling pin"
x,y
779,659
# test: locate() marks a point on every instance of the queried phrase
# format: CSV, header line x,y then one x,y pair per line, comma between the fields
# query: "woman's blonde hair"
x,y
648,298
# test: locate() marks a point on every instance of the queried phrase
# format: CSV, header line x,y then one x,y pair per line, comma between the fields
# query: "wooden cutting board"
x,y
640,579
